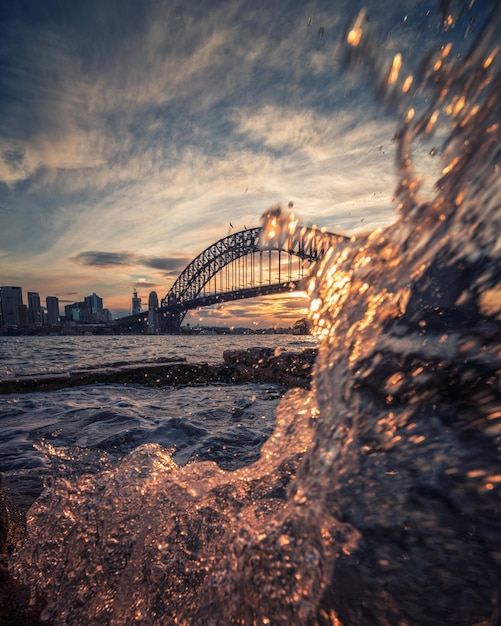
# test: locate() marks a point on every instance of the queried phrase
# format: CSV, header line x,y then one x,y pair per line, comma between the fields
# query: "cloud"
x,y
166,263
105,259
127,259
170,118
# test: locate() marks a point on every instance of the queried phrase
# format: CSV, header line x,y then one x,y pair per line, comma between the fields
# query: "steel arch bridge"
x,y
240,266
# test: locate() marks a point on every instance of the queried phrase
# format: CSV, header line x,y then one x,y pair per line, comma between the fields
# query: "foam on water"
x,y
377,498
223,423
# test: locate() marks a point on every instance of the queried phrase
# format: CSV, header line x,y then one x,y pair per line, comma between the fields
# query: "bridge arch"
x,y
189,290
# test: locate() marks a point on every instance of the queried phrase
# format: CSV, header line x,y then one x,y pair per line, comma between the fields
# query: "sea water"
x,y
377,498
223,423
29,356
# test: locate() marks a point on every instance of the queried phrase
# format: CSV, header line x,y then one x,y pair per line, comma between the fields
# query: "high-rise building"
x,y
136,303
78,312
153,300
34,309
10,299
52,304
89,311
153,315
22,313
94,303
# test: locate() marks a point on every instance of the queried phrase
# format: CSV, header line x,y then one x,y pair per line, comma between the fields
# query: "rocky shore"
x,y
291,369
261,365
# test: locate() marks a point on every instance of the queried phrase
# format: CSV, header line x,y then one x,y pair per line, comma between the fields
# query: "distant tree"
x,y
301,327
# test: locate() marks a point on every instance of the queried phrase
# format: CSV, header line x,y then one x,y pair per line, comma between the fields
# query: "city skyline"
x,y
15,313
134,135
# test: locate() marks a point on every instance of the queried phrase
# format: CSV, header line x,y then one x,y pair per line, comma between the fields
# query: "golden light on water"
x,y
488,61
278,225
337,283
354,37
395,68
474,110
438,65
448,22
451,166
447,49
355,34
458,106
432,120
407,84
460,197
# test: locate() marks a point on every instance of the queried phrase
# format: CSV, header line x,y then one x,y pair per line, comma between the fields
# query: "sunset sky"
x,y
132,133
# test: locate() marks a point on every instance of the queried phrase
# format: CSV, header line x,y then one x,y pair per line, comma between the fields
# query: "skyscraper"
x,y
153,300
94,303
52,309
22,315
10,299
34,309
153,316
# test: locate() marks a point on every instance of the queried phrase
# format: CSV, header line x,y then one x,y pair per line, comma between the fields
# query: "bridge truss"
x,y
241,265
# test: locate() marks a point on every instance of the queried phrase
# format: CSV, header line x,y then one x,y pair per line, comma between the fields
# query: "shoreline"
x,y
261,365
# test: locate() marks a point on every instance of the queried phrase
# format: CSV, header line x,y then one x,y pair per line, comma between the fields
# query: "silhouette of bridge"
x,y
238,266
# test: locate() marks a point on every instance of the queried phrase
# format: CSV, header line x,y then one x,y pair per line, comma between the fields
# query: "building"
x,y
11,298
77,312
52,304
136,303
89,311
23,318
153,300
153,315
34,309
94,303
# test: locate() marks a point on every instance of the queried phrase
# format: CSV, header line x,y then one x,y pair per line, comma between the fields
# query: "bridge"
x,y
241,265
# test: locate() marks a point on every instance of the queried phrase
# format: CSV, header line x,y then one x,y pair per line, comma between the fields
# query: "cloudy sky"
x,y
133,132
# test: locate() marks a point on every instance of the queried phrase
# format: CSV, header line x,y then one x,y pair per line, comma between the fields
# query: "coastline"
x,y
291,369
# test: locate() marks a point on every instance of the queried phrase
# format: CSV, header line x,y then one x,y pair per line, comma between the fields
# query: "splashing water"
x,y
377,500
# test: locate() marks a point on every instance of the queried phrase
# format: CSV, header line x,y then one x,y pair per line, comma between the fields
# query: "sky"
x,y
133,133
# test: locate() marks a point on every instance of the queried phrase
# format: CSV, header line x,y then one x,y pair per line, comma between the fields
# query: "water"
x,y
377,498
223,423
27,356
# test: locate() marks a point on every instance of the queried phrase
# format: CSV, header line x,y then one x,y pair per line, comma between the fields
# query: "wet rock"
x,y
292,369
251,356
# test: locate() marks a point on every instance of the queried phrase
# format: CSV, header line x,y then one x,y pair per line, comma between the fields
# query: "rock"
x,y
251,356
291,369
